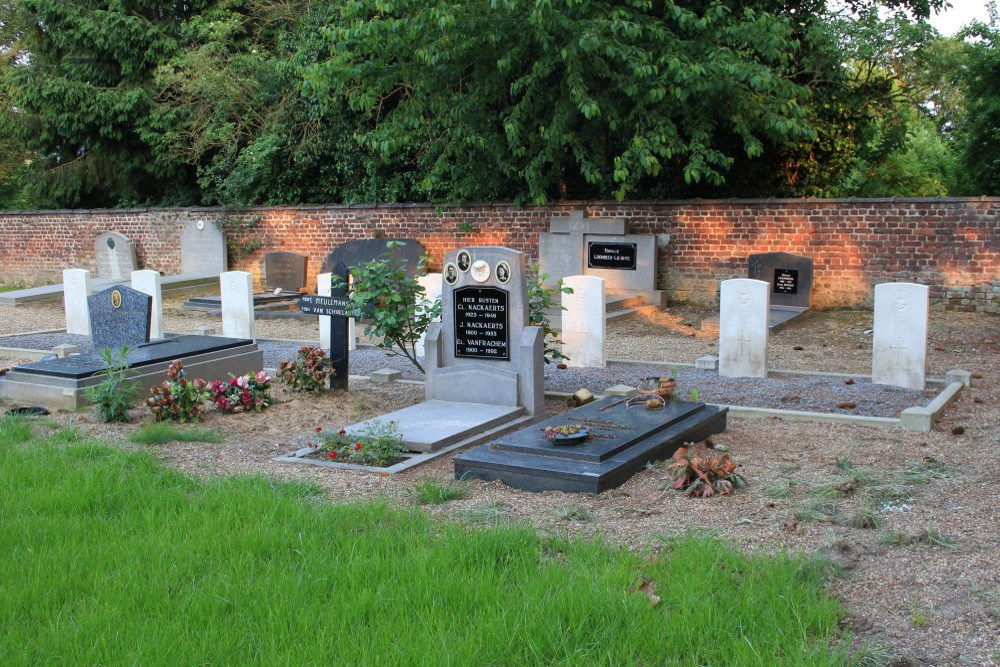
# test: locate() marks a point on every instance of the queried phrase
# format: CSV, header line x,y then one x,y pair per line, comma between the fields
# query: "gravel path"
x,y
790,392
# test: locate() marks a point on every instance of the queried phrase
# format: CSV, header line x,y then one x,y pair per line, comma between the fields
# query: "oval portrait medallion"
x,y
480,271
116,299
450,273
502,272
464,261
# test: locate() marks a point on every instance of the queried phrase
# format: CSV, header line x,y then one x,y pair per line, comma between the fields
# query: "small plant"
x,y
572,513
311,370
704,476
431,491
242,394
391,301
376,444
158,433
177,397
465,227
244,234
541,299
115,395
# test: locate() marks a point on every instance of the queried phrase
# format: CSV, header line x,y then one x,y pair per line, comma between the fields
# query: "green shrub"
x,y
540,300
116,394
310,371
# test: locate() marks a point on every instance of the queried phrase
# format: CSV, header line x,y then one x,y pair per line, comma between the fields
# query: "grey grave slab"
x,y
285,271
119,315
115,256
62,383
435,424
361,251
624,440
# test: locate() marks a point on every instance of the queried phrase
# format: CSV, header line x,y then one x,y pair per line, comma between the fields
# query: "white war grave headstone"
x,y
203,249
237,304
76,289
432,284
899,343
115,256
149,282
743,310
583,322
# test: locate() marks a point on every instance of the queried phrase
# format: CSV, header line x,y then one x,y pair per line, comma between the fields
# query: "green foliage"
x,y
311,370
116,394
159,433
392,303
541,300
378,444
177,397
432,491
244,235
14,430
979,138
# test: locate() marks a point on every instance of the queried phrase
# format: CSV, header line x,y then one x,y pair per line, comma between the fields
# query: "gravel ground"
x,y
920,587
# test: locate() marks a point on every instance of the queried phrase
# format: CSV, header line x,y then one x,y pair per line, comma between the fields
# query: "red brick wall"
x,y
855,244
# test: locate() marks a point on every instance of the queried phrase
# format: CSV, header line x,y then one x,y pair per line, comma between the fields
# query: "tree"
x,y
979,136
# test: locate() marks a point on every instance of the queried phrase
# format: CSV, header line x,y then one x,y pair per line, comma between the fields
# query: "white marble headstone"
x,y
583,324
899,344
237,304
324,288
149,282
203,249
432,283
115,256
76,289
743,308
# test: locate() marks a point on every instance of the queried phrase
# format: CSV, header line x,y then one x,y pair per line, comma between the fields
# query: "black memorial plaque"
x,y
605,255
334,306
481,323
786,281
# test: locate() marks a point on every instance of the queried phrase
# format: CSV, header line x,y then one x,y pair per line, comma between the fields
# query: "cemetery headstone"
x,y
119,315
601,248
150,282
361,251
337,309
324,287
115,255
583,322
76,289
203,249
790,277
433,285
237,304
743,310
899,343
285,271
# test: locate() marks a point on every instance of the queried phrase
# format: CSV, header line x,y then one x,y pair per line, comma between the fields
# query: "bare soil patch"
x,y
920,587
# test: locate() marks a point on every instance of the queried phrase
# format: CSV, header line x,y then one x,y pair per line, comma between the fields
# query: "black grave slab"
x,y
790,276
362,251
119,315
213,304
285,270
624,440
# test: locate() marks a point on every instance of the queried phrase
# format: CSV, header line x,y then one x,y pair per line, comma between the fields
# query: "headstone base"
x,y
625,440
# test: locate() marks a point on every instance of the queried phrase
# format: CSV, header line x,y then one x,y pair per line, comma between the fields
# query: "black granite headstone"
x,y
481,323
362,251
790,277
608,255
119,316
285,270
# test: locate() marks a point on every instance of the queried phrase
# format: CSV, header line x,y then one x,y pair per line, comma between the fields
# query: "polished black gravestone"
x,y
62,383
790,276
119,316
357,253
624,439
285,271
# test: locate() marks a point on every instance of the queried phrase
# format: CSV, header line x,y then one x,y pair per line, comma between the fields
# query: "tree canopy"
x,y
240,102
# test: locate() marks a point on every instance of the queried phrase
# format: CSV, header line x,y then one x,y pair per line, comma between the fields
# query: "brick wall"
x,y
952,245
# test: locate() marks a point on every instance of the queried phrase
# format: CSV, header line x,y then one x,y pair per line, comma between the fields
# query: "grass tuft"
x,y
572,513
777,489
157,433
431,491
927,535
14,430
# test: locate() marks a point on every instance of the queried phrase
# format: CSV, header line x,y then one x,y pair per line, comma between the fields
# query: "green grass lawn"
x,y
9,288
109,557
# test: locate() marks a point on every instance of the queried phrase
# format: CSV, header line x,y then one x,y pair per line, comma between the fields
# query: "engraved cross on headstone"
x,y
743,340
899,347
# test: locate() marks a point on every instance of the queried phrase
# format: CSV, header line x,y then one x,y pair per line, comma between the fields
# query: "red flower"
x,y
333,455
357,446
342,432
319,428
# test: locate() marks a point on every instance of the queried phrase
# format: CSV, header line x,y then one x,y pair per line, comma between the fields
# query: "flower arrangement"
x,y
703,477
242,394
177,397
311,370
377,444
